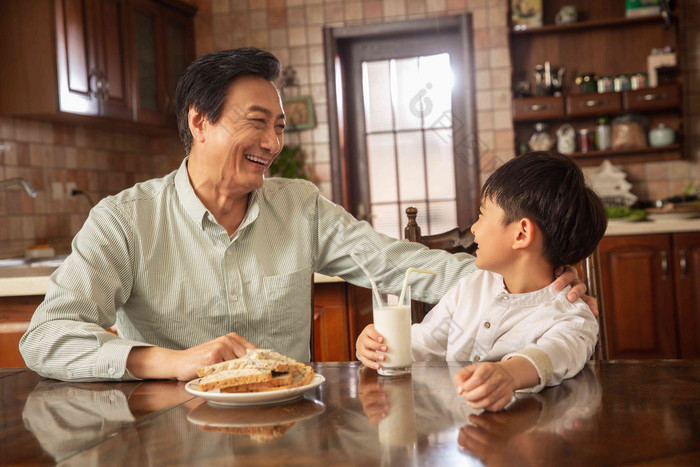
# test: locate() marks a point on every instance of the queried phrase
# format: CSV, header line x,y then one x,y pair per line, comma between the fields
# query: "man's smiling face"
x,y
247,137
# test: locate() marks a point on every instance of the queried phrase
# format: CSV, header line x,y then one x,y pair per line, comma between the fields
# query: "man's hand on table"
x,y
578,288
160,363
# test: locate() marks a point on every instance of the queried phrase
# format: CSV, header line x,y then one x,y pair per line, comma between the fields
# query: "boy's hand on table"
x,y
369,345
490,385
578,288
485,385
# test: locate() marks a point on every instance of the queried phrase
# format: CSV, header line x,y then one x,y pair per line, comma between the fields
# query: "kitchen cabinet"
x,y
341,312
651,292
165,48
606,43
69,59
15,314
686,270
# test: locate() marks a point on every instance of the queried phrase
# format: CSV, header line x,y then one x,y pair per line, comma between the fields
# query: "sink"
x,y
49,262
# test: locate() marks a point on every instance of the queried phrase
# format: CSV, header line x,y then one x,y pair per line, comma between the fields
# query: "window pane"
x,y
381,168
441,177
407,99
385,219
377,96
411,166
436,76
443,217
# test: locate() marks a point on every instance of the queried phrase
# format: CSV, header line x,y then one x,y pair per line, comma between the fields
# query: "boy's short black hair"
x,y
205,82
549,189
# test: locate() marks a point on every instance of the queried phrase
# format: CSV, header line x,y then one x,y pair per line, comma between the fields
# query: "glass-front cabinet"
x,y
163,48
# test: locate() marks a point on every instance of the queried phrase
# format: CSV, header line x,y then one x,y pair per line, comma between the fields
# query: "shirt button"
x,y
229,254
487,325
505,298
110,371
477,358
234,298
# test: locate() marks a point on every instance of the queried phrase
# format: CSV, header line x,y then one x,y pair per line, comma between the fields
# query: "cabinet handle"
x,y
537,107
94,91
684,264
594,103
651,97
664,266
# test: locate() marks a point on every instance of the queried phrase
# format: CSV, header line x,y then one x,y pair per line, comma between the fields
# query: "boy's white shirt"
x,y
478,317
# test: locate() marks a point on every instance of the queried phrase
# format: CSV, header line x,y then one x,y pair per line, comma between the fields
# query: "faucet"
x,y
29,189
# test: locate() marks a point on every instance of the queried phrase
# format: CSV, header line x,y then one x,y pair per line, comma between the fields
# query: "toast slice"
x,y
228,378
282,379
300,377
264,359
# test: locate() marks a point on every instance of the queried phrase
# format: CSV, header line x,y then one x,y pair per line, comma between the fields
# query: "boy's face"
x,y
495,239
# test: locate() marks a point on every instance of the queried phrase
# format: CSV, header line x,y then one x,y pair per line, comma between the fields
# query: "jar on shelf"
x,y
587,83
585,140
541,139
603,134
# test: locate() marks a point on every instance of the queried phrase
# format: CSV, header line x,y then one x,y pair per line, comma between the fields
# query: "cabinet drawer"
x,y
662,97
594,104
538,108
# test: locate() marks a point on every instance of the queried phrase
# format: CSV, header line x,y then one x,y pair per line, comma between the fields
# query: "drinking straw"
x,y
405,280
371,279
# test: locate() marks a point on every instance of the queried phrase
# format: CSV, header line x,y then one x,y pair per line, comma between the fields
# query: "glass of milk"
x,y
393,321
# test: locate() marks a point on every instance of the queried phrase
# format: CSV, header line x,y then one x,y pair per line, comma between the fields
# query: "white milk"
x,y
394,323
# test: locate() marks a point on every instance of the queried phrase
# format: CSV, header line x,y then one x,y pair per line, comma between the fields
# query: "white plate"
x,y
252,398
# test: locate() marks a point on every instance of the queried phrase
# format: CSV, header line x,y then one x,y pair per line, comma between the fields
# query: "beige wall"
x,y
104,163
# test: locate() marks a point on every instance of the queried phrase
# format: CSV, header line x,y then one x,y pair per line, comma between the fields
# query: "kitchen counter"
x,y
652,227
19,281
26,280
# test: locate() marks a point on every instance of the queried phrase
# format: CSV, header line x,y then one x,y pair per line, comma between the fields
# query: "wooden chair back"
x,y
453,241
591,276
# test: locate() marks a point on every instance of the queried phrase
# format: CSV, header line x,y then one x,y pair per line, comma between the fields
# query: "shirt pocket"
x,y
288,302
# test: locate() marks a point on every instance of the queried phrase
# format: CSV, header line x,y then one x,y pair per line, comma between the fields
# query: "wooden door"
x,y
687,272
638,289
76,57
111,40
147,74
403,123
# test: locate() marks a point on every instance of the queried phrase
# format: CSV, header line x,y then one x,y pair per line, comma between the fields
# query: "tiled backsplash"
x,y
53,156
103,163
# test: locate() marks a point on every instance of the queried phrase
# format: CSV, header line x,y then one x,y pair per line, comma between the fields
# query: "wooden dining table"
x,y
612,413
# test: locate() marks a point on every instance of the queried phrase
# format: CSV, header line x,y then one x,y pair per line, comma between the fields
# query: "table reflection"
x,y
260,424
356,417
67,417
535,427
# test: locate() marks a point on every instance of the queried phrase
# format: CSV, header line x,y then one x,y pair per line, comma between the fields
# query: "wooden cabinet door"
x,y
147,62
331,332
111,40
178,53
687,272
638,291
76,57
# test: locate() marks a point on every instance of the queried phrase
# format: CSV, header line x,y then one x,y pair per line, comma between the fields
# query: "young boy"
x,y
536,215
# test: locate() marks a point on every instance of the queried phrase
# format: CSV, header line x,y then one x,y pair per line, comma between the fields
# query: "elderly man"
x,y
212,259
